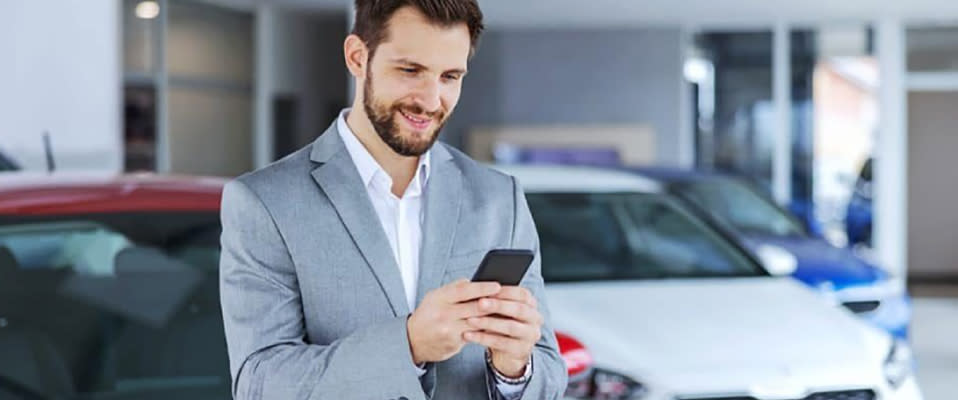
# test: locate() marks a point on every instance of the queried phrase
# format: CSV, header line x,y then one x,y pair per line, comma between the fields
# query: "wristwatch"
x,y
505,379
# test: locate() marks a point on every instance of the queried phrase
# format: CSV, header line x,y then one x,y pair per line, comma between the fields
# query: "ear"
x,y
357,56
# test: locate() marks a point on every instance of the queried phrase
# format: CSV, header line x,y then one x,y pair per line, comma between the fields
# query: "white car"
x,y
672,310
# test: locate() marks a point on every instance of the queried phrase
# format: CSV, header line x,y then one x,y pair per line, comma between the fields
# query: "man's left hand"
x,y
511,332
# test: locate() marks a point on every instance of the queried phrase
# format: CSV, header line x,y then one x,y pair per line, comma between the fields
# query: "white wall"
x,y
60,72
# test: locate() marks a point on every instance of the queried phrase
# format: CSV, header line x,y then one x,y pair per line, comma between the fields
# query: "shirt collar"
x,y
367,166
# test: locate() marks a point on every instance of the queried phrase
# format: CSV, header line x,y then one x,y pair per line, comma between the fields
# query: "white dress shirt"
x,y
401,217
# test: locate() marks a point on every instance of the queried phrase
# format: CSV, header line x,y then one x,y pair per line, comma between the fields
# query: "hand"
x,y
435,328
512,332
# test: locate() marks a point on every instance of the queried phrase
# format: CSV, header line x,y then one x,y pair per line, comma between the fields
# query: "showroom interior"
x,y
835,118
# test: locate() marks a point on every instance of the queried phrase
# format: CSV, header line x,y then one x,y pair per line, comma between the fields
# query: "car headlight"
x,y
608,385
899,364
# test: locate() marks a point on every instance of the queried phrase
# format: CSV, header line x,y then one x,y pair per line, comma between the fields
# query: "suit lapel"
x,y
340,181
441,210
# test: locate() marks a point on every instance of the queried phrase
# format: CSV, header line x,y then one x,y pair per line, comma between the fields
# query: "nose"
x,y
428,96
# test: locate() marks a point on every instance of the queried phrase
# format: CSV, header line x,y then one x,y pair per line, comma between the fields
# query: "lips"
x,y
417,123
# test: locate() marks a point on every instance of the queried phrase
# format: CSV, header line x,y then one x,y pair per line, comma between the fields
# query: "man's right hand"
x,y
435,329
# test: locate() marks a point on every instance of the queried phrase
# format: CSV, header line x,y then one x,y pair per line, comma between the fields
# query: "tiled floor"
x,y
935,340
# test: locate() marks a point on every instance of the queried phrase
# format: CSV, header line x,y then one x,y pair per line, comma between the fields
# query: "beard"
x,y
383,118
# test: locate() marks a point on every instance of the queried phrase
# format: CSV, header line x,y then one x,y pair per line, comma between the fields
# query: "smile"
x,y
417,121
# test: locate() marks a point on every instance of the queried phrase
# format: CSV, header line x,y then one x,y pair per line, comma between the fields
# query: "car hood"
x,y
679,332
821,263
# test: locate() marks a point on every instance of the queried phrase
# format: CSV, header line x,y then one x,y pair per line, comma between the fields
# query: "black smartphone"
x,y
506,266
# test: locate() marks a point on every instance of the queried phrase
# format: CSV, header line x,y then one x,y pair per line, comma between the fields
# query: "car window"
x,y
607,236
6,164
742,207
84,248
865,174
125,307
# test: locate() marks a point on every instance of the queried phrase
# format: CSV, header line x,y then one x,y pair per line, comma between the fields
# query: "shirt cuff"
x,y
512,389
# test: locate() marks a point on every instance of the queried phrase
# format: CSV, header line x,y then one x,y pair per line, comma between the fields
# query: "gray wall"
x,y
210,65
932,193
575,77
309,65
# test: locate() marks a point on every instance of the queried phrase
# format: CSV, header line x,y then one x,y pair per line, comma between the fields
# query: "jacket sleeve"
x,y
264,323
549,375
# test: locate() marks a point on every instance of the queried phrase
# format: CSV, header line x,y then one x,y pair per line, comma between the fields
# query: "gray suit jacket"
x,y
312,297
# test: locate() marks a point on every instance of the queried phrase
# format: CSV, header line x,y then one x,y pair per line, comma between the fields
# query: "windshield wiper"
x,y
20,390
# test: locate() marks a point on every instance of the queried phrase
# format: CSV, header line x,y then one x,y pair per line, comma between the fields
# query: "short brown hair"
x,y
372,17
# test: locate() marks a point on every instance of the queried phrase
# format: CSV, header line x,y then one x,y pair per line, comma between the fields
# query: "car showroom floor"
x,y
935,340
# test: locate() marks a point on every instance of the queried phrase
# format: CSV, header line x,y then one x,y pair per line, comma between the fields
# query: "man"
x,y
327,251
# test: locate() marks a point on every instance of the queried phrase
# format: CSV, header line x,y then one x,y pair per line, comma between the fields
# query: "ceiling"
x,y
603,13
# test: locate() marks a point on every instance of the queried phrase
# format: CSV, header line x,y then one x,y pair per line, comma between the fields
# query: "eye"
x,y
451,77
409,71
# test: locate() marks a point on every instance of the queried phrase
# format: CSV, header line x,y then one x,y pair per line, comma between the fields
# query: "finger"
x,y
461,328
469,309
454,329
464,290
517,293
499,343
506,327
515,310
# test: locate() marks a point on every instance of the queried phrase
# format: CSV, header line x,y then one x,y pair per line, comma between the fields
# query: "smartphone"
x,y
506,266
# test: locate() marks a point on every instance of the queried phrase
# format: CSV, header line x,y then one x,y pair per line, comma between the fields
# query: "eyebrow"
x,y
420,66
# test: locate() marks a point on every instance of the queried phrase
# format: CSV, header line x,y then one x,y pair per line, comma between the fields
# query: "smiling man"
x,y
343,266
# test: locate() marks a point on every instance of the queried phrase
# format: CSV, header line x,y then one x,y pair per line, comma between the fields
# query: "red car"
x,y
109,289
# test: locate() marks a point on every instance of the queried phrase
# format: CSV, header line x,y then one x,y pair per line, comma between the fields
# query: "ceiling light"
x,y
147,9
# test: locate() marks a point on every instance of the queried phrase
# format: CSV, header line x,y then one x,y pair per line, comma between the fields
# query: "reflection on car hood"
x,y
669,329
820,262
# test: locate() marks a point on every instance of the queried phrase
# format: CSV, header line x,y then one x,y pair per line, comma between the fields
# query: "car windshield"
x,y
111,306
741,206
629,236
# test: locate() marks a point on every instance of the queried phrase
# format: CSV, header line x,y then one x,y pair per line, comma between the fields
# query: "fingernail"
x,y
470,336
485,303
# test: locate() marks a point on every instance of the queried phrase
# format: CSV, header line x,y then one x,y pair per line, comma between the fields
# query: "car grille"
x,y
860,307
842,395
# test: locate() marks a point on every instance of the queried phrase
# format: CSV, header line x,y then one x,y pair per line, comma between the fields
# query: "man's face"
x,y
414,80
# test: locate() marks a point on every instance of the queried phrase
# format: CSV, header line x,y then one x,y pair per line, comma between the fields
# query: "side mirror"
x,y
776,260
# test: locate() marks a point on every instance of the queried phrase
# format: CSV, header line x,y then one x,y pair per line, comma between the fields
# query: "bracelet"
x,y
505,379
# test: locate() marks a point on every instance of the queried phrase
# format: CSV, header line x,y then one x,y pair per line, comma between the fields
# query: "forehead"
x,y
412,37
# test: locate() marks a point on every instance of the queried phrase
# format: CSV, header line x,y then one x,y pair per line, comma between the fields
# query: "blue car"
x,y
772,234
858,215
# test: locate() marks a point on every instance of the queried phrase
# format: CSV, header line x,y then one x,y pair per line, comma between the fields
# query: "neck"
x,y
401,169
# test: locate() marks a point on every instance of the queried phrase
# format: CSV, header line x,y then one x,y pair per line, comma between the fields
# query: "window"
x,y
602,236
742,207
116,306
